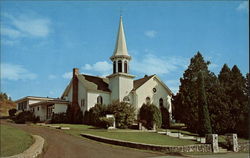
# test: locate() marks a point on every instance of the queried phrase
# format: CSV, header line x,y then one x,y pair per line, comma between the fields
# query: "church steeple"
x,y
121,46
120,57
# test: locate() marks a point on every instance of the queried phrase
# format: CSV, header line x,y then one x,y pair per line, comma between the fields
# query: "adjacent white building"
x,y
86,90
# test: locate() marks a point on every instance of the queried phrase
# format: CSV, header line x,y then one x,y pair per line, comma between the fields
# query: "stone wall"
x,y
243,146
161,148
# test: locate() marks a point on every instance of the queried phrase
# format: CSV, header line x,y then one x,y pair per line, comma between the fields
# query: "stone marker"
x,y
232,141
213,140
111,116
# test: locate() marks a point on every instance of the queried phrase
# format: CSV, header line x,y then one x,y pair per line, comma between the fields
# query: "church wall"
x,y
69,97
146,90
125,87
92,98
82,97
114,87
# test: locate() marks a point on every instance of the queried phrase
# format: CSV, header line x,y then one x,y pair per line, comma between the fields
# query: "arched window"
x,y
125,67
148,100
114,67
160,102
119,66
99,100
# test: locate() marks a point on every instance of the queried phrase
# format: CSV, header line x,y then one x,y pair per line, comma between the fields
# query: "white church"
x,y
86,90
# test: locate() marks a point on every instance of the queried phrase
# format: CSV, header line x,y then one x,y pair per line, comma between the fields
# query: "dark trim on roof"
x,y
101,84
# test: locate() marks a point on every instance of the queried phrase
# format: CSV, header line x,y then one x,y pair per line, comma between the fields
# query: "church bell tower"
x,y
121,82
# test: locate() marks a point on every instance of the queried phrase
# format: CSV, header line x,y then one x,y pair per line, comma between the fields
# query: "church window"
x,y
119,66
114,67
99,100
38,108
148,100
125,67
161,102
154,90
82,102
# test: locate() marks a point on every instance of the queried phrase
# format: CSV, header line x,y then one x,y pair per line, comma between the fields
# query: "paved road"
x,y
61,145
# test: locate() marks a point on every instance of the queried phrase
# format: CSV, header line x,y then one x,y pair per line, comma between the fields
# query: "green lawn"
x,y
14,141
127,135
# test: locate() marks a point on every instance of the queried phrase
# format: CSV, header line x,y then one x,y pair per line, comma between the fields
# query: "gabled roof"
x,y
98,81
90,83
138,83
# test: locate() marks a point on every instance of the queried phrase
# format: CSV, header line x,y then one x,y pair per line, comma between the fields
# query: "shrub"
x,y
74,114
59,118
12,112
106,122
150,114
25,116
92,116
124,113
165,117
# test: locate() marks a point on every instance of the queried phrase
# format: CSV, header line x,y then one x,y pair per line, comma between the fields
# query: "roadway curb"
x,y
33,151
152,147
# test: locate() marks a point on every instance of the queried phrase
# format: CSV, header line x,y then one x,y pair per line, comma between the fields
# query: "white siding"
x,y
146,90
92,98
120,86
82,95
41,113
60,108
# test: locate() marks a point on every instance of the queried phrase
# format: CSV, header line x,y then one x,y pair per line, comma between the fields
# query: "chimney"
x,y
75,86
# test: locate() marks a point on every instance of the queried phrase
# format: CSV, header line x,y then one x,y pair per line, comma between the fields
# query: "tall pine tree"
x,y
204,118
185,102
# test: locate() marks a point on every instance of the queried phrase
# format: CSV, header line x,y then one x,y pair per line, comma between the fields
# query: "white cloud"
x,y
51,77
243,6
15,72
151,64
25,25
67,75
102,67
150,33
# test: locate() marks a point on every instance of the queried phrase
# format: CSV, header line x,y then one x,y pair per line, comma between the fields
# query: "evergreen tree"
x,y
185,102
204,118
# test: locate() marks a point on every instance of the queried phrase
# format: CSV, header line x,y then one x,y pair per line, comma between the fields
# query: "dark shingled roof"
x,y
141,81
101,85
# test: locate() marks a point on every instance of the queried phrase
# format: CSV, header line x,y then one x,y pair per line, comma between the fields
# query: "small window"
x,y
99,100
125,67
38,108
114,67
154,90
148,100
161,102
82,102
119,66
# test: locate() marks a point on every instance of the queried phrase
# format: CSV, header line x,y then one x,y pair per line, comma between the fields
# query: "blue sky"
x,y
42,41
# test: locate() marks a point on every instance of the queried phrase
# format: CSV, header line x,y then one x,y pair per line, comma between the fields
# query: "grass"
x,y
13,141
222,138
127,135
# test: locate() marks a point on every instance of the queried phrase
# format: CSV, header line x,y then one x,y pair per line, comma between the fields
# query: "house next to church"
x,y
86,90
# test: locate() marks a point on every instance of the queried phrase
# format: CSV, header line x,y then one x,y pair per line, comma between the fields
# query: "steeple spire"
x,y
121,46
